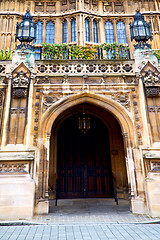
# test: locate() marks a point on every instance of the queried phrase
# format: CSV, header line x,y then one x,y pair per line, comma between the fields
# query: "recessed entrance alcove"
x,y
87,155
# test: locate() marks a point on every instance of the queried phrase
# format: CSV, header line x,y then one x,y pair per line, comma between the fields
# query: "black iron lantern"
x,y
26,30
140,30
84,123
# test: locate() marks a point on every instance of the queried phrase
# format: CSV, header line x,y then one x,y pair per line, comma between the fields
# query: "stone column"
x,y
102,37
80,29
115,30
69,29
44,31
91,29
58,30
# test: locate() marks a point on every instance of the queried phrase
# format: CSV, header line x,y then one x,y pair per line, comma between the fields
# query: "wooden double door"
x,y
83,160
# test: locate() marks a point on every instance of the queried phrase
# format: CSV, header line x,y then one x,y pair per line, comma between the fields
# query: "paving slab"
x,y
85,232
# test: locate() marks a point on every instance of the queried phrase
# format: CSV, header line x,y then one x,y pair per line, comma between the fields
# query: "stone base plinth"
x,y
153,194
138,206
16,197
42,207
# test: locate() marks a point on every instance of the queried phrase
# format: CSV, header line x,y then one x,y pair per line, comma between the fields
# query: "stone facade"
x,y
37,96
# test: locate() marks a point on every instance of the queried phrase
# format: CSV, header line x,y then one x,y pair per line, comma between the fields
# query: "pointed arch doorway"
x,y
82,165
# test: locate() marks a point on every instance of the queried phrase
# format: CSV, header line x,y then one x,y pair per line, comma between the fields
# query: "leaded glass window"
x,y
39,33
87,30
50,31
109,32
65,32
73,30
95,32
121,32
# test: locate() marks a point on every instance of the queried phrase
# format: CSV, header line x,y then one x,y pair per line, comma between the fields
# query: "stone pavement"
x,y
91,211
81,232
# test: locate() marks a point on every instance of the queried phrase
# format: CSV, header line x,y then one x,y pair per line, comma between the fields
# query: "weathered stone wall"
x,y
58,11
34,96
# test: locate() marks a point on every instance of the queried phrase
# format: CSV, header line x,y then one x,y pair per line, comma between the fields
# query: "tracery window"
x,y
50,32
109,32
65,32
73,30
95,32
39,33
121,32
87,30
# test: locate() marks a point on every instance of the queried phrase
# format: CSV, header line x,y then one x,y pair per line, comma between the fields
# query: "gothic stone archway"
x,y
86,163
118,112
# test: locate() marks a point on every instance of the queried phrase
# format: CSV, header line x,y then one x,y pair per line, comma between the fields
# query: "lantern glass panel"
x,y
135,32
26,29
19,32
147,32
142,32
32,32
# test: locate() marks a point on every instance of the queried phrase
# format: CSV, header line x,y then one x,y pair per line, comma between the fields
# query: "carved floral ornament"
x,y
152,91
20,85
20,81
150,76
151,79
20,78
123,99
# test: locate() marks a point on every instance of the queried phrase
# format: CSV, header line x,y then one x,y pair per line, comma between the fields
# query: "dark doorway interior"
x,y
83,160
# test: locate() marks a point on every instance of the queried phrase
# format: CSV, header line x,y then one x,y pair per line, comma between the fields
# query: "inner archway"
x,y
83,159
84,165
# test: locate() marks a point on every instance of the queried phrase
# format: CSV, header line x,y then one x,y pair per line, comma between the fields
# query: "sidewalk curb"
x,y
27,223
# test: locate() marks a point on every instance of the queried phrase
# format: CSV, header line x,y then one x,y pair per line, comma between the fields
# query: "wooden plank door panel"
x,y
84,168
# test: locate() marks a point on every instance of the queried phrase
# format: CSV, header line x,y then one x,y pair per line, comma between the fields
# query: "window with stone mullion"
x,y
121,32
109,32
65,32
87,30
39,33
95,32
50,31
73,30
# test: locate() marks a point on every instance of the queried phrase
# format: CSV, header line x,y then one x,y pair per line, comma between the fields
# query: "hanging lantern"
x,y
140,30
84,123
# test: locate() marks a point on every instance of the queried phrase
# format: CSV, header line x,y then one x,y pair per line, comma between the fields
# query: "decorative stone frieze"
x,y
154,108
83,67
118,7
152,91
14,168
108,7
